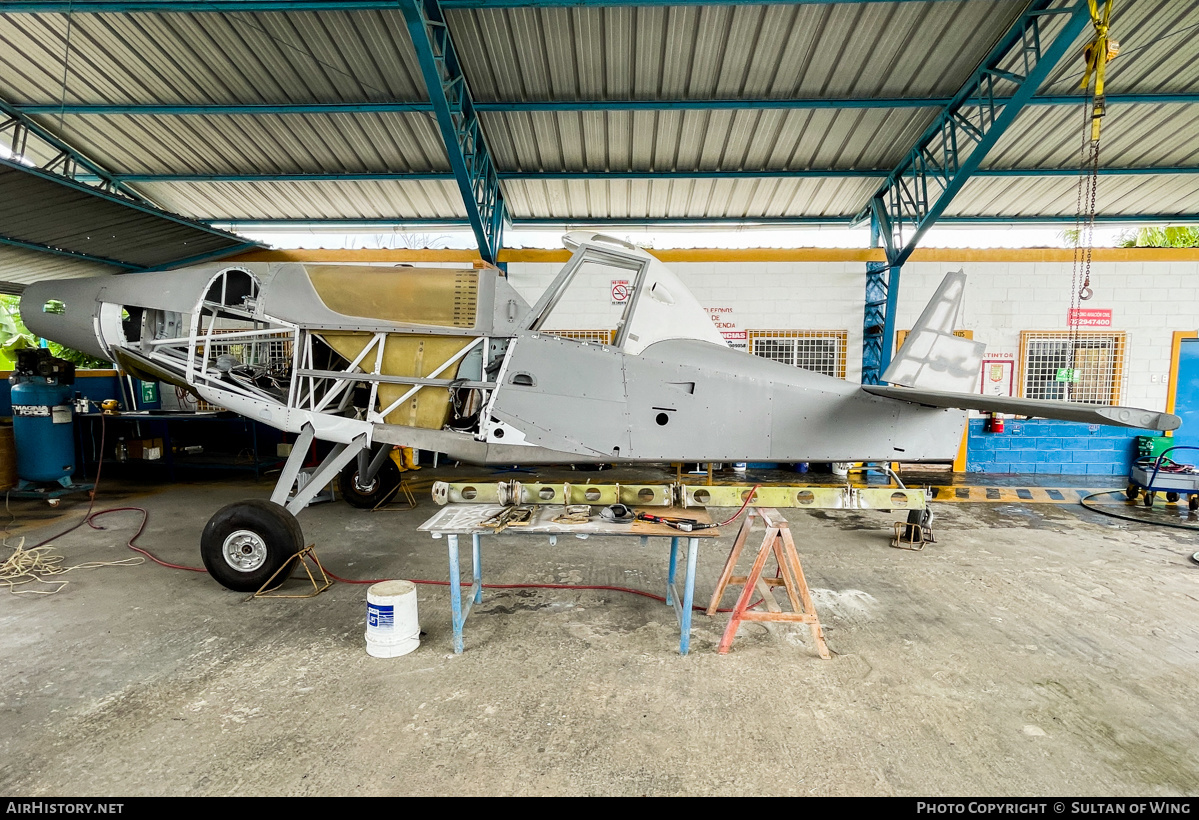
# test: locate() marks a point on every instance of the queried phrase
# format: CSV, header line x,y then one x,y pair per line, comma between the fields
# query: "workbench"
x,y
455,520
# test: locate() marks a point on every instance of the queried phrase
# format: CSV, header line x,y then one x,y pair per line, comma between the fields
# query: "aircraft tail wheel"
x,y
922,517
381,488
918,530
245,543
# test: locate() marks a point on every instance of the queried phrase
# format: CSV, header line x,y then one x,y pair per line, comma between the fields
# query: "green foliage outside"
x,y
1175,237
14,336
1147,237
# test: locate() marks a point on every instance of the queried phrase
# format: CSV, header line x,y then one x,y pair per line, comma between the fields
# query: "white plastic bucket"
x,y
392,628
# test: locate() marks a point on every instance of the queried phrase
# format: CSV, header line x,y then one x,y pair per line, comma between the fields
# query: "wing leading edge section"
x,y
1064,410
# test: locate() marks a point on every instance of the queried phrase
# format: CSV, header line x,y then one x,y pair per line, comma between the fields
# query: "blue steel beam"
x,y
843,221
606,176
461,130
226,6
85,257
563,106
950,150
321,176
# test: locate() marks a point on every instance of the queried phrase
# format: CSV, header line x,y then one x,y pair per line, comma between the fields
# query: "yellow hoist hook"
x,y
1098,53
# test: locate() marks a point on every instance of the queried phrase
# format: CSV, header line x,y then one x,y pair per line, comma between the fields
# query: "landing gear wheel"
x,y
1171,497
1148,500
245,543
380,489
1132,492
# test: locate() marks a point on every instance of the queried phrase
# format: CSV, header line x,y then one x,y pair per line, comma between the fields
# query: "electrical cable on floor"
x,y
604,587
1083,502
39,561
41,564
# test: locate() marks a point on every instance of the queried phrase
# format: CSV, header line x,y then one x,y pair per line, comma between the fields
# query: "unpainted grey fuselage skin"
x,y
665,389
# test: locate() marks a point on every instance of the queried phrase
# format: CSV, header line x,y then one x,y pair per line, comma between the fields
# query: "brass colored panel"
x,y
407,355
421,296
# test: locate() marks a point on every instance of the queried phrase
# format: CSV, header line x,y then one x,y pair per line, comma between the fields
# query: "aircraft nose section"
x,y
64,311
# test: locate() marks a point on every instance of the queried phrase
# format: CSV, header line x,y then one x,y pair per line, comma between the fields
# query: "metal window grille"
x,y
821,351
601,336
1098,361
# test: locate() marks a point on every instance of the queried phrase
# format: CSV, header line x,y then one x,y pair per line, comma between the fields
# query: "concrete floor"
x,y
1033,650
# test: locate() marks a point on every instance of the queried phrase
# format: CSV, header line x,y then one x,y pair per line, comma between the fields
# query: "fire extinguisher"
x,y
995,423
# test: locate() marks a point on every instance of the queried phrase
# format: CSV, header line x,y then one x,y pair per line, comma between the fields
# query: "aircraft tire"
x,y
385,485
245,543
922,517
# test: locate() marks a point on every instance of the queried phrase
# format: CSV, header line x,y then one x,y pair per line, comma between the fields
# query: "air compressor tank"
x,y
43,418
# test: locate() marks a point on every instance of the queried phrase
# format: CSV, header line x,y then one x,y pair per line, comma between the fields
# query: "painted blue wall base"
x,y
1051,447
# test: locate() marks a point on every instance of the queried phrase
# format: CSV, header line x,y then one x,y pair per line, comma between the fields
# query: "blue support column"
x,y
465,144
882,292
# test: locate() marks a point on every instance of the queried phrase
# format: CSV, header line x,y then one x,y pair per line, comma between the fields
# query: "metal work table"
x,y
454,520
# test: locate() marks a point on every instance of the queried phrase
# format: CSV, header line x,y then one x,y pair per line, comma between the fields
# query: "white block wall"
x,y
1148,300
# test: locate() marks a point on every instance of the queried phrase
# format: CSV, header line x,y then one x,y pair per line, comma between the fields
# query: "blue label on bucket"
x,y
380,616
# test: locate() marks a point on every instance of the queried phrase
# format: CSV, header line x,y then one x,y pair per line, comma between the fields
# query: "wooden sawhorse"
x,y
779,542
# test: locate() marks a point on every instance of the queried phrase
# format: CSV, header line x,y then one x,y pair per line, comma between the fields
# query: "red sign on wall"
x,y
1088,318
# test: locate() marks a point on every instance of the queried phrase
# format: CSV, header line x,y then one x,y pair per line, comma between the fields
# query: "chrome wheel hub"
x,y
244,550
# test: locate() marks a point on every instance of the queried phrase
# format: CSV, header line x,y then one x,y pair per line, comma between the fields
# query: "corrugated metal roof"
x,y
209,58
858,50
702,52
863,139
1132,135
683,198
259,143
39,209
1058,196
22,266
315,200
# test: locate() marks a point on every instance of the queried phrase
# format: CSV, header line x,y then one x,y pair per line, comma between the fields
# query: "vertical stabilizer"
x,y
933,358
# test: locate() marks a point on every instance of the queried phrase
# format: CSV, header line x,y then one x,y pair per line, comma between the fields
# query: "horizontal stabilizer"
x,y
1064,410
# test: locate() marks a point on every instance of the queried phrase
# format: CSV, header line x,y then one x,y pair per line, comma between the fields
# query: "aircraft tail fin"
x,y
932,358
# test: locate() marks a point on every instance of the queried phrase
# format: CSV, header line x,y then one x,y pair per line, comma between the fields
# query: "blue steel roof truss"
x,y
955,144
910,201
459,123
15,130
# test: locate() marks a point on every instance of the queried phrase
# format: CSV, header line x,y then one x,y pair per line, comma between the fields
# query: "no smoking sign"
x,y
620,291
